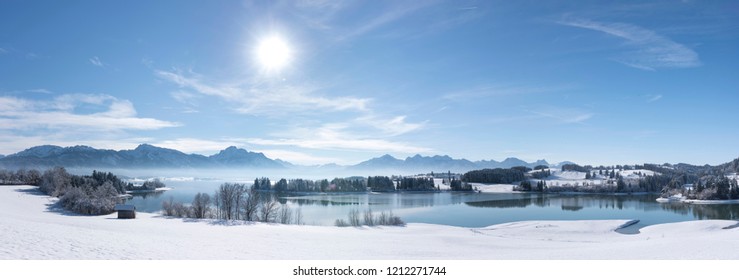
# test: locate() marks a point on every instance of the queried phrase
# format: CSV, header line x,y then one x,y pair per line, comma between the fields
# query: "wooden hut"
x,y
125,211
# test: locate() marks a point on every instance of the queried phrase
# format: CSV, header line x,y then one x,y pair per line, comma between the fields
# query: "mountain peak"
x,y
387,156
145,146
39,151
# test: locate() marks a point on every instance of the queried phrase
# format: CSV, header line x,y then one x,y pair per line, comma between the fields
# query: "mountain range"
x,y
148,156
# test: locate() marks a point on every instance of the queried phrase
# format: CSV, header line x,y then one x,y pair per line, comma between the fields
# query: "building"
x,y
125,211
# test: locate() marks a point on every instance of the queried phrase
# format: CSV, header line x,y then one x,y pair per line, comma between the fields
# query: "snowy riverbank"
x,y
682,199
31,228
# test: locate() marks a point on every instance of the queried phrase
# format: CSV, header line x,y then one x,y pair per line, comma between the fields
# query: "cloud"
x,y
198,146
113,114
327,16
391,127
3,51
298,157
386,17
653,98
338,137
96,61
499,90
650,50
12,143
267,100
562,115
39,90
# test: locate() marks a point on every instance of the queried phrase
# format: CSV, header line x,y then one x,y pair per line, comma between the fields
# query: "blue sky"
x,y
596,82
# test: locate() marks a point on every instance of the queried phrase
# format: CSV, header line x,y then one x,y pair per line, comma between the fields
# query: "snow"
x,y
633,173
493,188
679,198
162,189
31,227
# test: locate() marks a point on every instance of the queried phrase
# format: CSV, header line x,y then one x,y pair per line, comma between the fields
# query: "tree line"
x,y
356,184
235,202
495,176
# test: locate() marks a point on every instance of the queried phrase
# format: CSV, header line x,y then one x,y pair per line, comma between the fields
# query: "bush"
x,y
341,223
383,219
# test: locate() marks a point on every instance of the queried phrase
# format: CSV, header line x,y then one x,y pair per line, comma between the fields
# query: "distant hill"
x,y
144,156
437,163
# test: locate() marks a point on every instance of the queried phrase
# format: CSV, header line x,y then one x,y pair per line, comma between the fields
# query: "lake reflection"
x,y
468,209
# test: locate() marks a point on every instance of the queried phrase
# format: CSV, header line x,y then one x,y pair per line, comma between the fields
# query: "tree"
x,y
285,216
525,186
251,205
268,210
228,199
201,205
620,185
55,181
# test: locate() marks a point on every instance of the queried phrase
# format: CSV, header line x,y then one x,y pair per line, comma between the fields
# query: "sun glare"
x,y
273,53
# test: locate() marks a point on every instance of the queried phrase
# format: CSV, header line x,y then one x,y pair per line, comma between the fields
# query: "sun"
x,y
273,53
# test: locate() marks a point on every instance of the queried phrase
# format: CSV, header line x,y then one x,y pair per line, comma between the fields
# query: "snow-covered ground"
x,y
31,228
493,188
562,178
680,198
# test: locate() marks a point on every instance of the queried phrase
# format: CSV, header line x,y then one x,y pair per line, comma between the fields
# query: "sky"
x,y
317,82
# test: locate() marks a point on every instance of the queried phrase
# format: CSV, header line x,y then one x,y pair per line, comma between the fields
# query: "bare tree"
x,y
168,207
369,219
286,215
217,204
201,205
298,216
269,210
354,218
250,206
226,196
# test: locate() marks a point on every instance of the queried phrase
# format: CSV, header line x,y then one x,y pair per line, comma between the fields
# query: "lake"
x,y
467,209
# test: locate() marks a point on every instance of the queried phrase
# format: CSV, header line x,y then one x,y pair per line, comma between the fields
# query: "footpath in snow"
x,y
32,228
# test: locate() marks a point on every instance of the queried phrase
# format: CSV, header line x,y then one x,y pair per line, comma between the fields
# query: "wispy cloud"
x,y
649,49
40,90
338,137
388,16
499,90
96,61
298,157
3,51
329,17
258,99
343,144
114,114
652,98
562,115
391,126
12,143
198,146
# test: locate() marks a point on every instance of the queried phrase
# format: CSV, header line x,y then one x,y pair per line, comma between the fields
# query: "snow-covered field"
x,y
493,188
31,228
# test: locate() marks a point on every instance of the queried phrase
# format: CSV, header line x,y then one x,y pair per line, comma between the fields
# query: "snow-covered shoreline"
x,y
679,198
31,228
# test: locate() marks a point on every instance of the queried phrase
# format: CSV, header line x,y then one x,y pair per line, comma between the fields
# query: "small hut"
x,y
125,211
